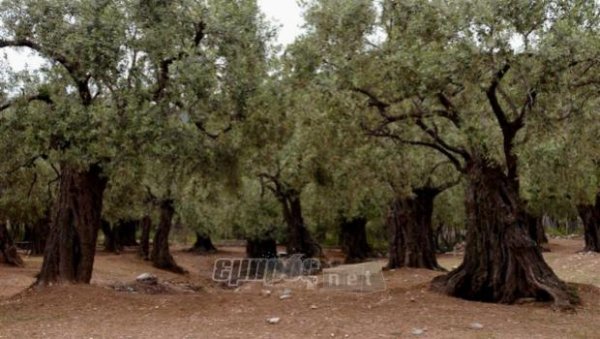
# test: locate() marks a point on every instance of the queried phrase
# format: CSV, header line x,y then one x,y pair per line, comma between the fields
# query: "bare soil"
x,y
196,307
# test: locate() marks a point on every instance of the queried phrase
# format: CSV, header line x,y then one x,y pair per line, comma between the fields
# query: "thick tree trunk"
x,y
502,263
299,240
410,231
261,248
8,250
111,238
145,225
353,239
161,256
203,244
37,234
71,244
590,215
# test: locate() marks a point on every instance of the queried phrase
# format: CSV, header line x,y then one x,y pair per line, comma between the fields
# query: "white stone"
x,y
476,326
147,278
417,331
273,320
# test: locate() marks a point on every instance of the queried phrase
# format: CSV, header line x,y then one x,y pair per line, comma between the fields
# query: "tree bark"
x,y
353,240
8,250
145,225
502,263
410,231
203,244
161,256
37,234
299,239
590,215
71,245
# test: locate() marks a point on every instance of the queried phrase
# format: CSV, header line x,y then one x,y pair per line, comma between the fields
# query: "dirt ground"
x,y
203,309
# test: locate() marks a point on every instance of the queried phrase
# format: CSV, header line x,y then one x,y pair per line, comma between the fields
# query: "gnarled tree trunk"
x,y
161,256
145,225
299,239
590,215
353,239
203,244
502,263
71,244
410,231
8,250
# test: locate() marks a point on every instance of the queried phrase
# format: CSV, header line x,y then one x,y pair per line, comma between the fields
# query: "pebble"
x,y
147,278
476,326
313,307
273,320
417,331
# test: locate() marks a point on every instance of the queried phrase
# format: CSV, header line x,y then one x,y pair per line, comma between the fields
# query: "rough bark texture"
x,y
8,250
144,250
502,263
590,215
161,256
37,234
71,244
261,248
353,240
203,244
299,239
412,243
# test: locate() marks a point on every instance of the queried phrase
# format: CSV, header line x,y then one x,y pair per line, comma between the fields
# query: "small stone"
x,y
285,296
313,307
273,320
417,331
412,299
476,326
265,293
147,278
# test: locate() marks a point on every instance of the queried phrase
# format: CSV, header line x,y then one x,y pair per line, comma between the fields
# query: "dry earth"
x,y
98,311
